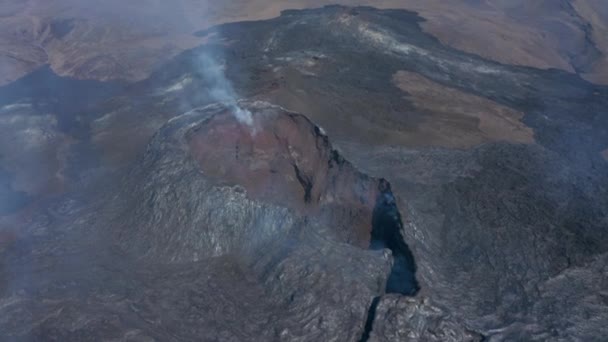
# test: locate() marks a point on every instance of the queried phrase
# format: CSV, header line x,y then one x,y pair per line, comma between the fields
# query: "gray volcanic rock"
x,y
416,319
508,240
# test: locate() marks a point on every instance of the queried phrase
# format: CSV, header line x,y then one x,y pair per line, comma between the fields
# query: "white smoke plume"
x,y
221,89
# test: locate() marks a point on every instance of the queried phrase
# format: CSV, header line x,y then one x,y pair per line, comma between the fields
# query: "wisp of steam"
x,y
221,89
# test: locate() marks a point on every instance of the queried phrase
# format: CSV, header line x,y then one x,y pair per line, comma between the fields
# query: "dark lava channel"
x,y
386,233
369,322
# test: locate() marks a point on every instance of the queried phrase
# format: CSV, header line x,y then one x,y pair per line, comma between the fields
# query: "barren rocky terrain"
x,y
438,175
117,40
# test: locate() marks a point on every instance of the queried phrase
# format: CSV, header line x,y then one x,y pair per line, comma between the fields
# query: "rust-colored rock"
x,y
286,160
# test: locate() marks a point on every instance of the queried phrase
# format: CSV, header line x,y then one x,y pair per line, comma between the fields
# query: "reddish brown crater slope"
x,y
286,160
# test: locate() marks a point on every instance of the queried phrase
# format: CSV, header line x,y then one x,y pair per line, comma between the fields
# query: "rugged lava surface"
x,y
205,253
498,184
180,250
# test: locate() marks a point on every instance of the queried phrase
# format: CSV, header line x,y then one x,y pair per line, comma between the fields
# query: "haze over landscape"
x,y
303,170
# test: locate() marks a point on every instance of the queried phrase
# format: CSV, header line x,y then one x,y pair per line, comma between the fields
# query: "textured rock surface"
x,y
209,185
416,319
509,239
202,257
492,247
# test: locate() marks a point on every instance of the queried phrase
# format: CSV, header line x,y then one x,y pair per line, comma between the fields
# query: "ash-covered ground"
x,y
354,207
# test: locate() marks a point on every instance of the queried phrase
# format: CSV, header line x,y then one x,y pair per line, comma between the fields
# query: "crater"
x,y
274,195
286,160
